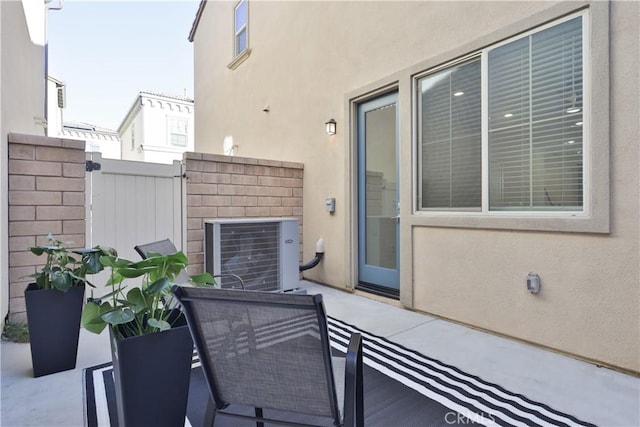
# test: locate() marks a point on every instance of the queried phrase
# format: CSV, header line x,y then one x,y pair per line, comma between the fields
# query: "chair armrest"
x,y
353,393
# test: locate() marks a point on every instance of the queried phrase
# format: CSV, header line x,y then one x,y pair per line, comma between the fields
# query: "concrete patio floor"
x,y
598,395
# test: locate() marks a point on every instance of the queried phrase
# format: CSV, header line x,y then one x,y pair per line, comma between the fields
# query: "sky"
x,y
106,52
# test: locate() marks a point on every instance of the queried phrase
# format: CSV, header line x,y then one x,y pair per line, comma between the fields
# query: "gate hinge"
x,y
91,166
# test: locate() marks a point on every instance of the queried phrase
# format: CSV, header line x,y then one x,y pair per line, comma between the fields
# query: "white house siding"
x,y
131,137
309,60
22,104
103,141
149,118
54,112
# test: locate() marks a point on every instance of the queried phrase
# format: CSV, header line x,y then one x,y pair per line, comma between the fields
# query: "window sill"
x,y
163,148
239,59
578,223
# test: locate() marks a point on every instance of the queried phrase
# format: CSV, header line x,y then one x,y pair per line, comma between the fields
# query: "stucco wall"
x,y
310,60
590,283
22,86
588,305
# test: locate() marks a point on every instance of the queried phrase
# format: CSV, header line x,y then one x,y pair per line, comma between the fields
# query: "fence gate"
x,y
130,203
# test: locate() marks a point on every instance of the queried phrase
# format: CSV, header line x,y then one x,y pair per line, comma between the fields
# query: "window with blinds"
x,y
451,137
530,125
535,120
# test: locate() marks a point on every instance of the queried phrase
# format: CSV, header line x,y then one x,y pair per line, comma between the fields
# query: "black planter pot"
x,y
152,374
54,327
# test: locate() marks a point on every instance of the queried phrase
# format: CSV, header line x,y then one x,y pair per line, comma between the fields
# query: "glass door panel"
x,y
378,260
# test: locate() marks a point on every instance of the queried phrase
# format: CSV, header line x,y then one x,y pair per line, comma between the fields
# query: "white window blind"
x,y
451,137
535,121
530,125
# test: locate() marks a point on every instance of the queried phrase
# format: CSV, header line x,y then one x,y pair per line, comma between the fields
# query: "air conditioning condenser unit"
x,y
264,252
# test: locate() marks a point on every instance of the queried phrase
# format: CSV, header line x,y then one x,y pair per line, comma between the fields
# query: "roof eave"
x,y
196,21
134,107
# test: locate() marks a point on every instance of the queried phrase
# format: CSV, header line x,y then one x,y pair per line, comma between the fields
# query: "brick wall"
x,y
46,194
236,187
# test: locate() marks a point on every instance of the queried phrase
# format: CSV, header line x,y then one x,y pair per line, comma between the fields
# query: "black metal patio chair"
x,y
266,357
166,247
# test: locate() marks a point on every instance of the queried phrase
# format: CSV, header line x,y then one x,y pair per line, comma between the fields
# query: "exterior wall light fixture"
x,y
330,127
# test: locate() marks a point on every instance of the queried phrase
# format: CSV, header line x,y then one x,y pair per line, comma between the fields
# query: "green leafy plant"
x,y
65,268
15,332
138,310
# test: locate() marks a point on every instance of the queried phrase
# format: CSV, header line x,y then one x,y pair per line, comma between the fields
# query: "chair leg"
x,y
210,413
354,392
259,415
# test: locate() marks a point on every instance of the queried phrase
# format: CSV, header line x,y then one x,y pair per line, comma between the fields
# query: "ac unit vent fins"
x,y
251,251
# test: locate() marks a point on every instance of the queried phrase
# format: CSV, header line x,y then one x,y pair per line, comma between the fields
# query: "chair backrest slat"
x,y
162,247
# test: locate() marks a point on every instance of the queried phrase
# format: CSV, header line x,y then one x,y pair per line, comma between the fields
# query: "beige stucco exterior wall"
x,y
310,61
22,105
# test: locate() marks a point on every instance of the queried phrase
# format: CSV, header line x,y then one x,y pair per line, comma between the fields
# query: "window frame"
x,y
243,28
239,56
170,127
418,109
594,216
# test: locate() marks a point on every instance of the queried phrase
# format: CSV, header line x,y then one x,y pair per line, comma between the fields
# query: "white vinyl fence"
x,y
131,203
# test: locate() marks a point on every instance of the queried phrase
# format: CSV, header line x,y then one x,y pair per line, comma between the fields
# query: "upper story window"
x,y
178,131
241,50
241,23
503,129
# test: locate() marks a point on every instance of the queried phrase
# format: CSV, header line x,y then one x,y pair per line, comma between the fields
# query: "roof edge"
x,y
196,20
127,118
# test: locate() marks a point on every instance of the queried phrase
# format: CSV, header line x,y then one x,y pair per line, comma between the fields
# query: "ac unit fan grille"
x,y
251,251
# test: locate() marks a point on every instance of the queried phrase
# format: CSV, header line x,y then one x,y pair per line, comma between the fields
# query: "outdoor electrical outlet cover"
x,y
330,204
533,283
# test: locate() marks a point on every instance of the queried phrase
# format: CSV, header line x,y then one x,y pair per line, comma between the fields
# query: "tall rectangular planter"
x,y
152,374
54,327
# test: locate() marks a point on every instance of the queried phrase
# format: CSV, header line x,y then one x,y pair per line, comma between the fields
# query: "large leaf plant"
x,y
138,310
65,268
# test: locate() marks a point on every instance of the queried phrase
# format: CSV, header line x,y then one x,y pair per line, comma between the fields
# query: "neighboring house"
x,y
22,100
56,102
97,139
477,145
37,206
158,128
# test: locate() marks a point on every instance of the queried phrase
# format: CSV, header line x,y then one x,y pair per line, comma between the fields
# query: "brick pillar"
x,y
46,194
237,187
